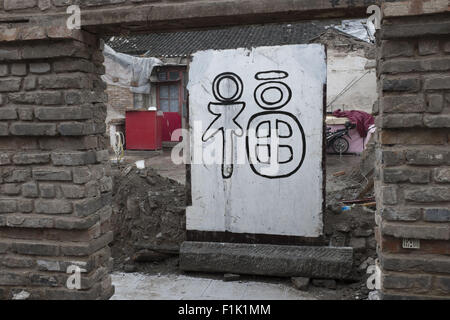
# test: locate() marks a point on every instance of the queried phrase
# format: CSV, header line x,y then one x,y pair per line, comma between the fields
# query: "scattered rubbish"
x,y
339,173
359,201
351,223
127,170
231,277
374,295
346,208
140,164
369,204
300,283
367,188
22,295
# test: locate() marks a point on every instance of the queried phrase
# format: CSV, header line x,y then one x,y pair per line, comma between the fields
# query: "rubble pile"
x,y
148,216
352,228
349,219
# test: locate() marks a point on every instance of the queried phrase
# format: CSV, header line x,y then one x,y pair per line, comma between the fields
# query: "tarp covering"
x,y
363,120
127,71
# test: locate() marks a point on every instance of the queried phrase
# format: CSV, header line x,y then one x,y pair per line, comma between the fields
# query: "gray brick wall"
x,y
55,185
413,158
119,99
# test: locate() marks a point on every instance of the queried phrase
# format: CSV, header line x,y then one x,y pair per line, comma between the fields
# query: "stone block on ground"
x,y
267,259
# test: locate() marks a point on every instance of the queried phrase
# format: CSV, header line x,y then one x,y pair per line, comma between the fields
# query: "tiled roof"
x,y
185,43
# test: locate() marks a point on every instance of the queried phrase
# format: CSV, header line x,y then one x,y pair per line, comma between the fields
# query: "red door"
x,y
170,103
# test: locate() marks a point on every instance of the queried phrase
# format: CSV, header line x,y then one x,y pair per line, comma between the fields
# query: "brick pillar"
x,y
413,158
55,184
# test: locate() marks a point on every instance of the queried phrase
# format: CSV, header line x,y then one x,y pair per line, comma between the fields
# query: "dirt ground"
x,y
149,220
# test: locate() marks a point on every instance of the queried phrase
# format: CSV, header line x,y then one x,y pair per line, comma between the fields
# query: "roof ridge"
x,y
183,43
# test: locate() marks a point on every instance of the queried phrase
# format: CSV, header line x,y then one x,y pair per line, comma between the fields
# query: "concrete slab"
x,y
136,286
265,259
221,290
269,291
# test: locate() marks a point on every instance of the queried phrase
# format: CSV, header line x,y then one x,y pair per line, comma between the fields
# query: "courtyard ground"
x,y
161,278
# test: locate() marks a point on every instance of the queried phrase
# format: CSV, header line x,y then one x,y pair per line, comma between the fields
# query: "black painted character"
x,y
275,139
227,89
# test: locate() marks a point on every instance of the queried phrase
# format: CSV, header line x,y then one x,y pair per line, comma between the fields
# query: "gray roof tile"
x,y
185,43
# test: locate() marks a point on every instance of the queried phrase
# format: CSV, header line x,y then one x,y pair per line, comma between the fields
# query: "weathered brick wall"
x,y
115,16
413,158
59,5
119,98
55,184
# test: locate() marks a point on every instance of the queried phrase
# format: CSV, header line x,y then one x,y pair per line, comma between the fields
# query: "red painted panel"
x,y
141,130
159,123
171,122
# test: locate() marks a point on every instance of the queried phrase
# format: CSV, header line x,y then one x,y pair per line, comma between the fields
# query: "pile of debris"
x,y
148,217
349,219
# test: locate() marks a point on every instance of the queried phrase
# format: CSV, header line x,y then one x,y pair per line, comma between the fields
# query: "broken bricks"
x,y
300,283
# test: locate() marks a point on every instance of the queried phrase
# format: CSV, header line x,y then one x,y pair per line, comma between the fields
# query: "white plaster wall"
x,y
247,202
342,69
